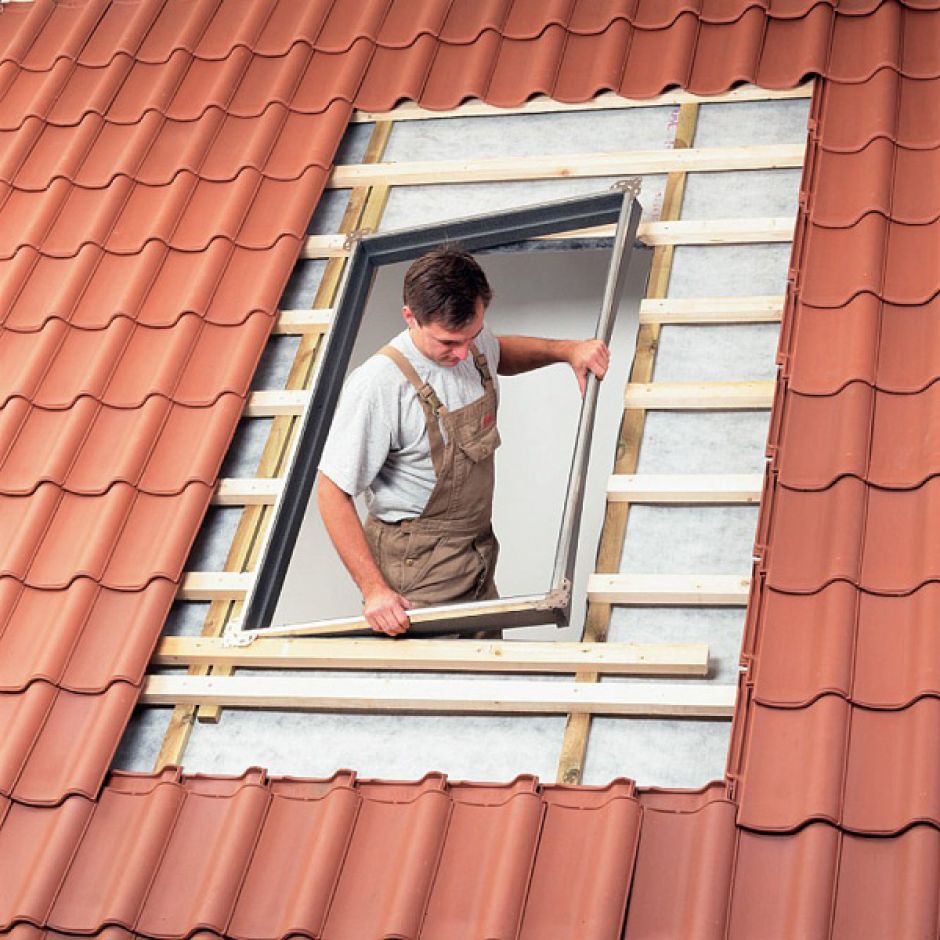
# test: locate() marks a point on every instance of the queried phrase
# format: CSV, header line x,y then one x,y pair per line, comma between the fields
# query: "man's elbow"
x,y
329,496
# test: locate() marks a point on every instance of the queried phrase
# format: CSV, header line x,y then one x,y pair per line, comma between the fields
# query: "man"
x,y
416,429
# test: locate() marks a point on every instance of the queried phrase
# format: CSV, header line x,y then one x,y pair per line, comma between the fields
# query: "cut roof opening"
x,y
670,751
541,593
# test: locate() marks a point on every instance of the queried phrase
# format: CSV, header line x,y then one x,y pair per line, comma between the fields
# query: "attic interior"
x,y
740,249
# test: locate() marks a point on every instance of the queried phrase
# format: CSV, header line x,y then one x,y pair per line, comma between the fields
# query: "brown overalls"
x,y
448,553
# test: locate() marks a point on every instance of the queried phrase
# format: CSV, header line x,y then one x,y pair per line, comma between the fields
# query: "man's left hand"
x,y
589,356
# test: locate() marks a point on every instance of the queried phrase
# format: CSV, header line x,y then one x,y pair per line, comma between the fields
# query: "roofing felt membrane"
x,y
158,166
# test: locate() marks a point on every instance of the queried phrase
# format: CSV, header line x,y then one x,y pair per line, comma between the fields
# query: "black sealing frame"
x,y
474,234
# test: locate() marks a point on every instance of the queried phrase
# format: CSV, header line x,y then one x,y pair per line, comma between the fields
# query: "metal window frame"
x,y
370,252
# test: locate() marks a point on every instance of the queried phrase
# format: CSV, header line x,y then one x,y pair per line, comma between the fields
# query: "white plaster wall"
x,y
544,293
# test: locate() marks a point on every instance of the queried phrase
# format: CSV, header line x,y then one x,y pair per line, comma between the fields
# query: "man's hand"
x,y
384,611
589,356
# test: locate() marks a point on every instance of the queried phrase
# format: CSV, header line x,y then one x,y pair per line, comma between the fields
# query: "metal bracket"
x,y
356,235
631,185
556,599
234,636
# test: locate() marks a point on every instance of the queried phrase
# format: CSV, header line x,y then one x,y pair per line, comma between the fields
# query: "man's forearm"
x,y
524,353
345,531
383,608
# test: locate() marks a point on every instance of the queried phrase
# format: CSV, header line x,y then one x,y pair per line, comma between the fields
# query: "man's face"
x,y
443,346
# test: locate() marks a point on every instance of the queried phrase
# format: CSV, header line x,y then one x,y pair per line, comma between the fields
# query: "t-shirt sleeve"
x,y
360,436
488,344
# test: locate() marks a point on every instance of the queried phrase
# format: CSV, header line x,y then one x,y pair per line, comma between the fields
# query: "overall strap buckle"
x,y
429,397
483,367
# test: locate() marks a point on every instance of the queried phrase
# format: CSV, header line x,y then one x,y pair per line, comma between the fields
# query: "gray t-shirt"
x,y
378,441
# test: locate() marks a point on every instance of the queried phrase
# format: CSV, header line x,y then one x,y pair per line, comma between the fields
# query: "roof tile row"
x,y
900,110
478,861
251,858
820,882
839,640
884,438
58,743
186,214
157,286
37,37
840,202
123,539
889,346
90,636
874,255
127,363
870,771
125,91
217,147
638,63
849,531
504,52
63,447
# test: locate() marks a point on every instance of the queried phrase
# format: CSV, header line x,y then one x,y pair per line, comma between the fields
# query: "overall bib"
x,y
448,553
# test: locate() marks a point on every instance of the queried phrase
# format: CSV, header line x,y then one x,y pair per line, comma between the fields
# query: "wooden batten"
x,y
487,696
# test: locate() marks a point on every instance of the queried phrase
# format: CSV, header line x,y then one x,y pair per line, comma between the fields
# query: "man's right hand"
x,y
384,611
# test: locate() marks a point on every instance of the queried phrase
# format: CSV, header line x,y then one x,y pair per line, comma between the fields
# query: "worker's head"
x,y
446,294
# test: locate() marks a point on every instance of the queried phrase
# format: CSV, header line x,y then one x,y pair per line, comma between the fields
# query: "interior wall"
x,y
555,294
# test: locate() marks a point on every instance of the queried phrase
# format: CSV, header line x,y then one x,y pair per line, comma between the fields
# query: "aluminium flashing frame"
x,y
369,252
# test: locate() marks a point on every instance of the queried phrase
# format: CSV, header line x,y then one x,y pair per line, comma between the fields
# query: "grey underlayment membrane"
x,y
660,539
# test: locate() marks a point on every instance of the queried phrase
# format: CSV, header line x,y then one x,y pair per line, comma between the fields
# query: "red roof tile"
x,y
889,186
784,885
900,109
243,857
63,741
305,820
870,771
886,345
34,857
91,636
847,532
806,644
888,885
897,630
874,435
793,764
159,162
684,866
587,841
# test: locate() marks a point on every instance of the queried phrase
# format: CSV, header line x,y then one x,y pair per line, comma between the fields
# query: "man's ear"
x,y
409,316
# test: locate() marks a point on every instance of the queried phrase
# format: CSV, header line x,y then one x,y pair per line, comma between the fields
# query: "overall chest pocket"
x,y
479,445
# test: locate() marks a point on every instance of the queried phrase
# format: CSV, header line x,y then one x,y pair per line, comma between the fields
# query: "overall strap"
x,y
483,367
431,405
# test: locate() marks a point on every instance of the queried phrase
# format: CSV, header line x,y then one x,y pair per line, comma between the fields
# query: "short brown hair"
x,y
443,286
